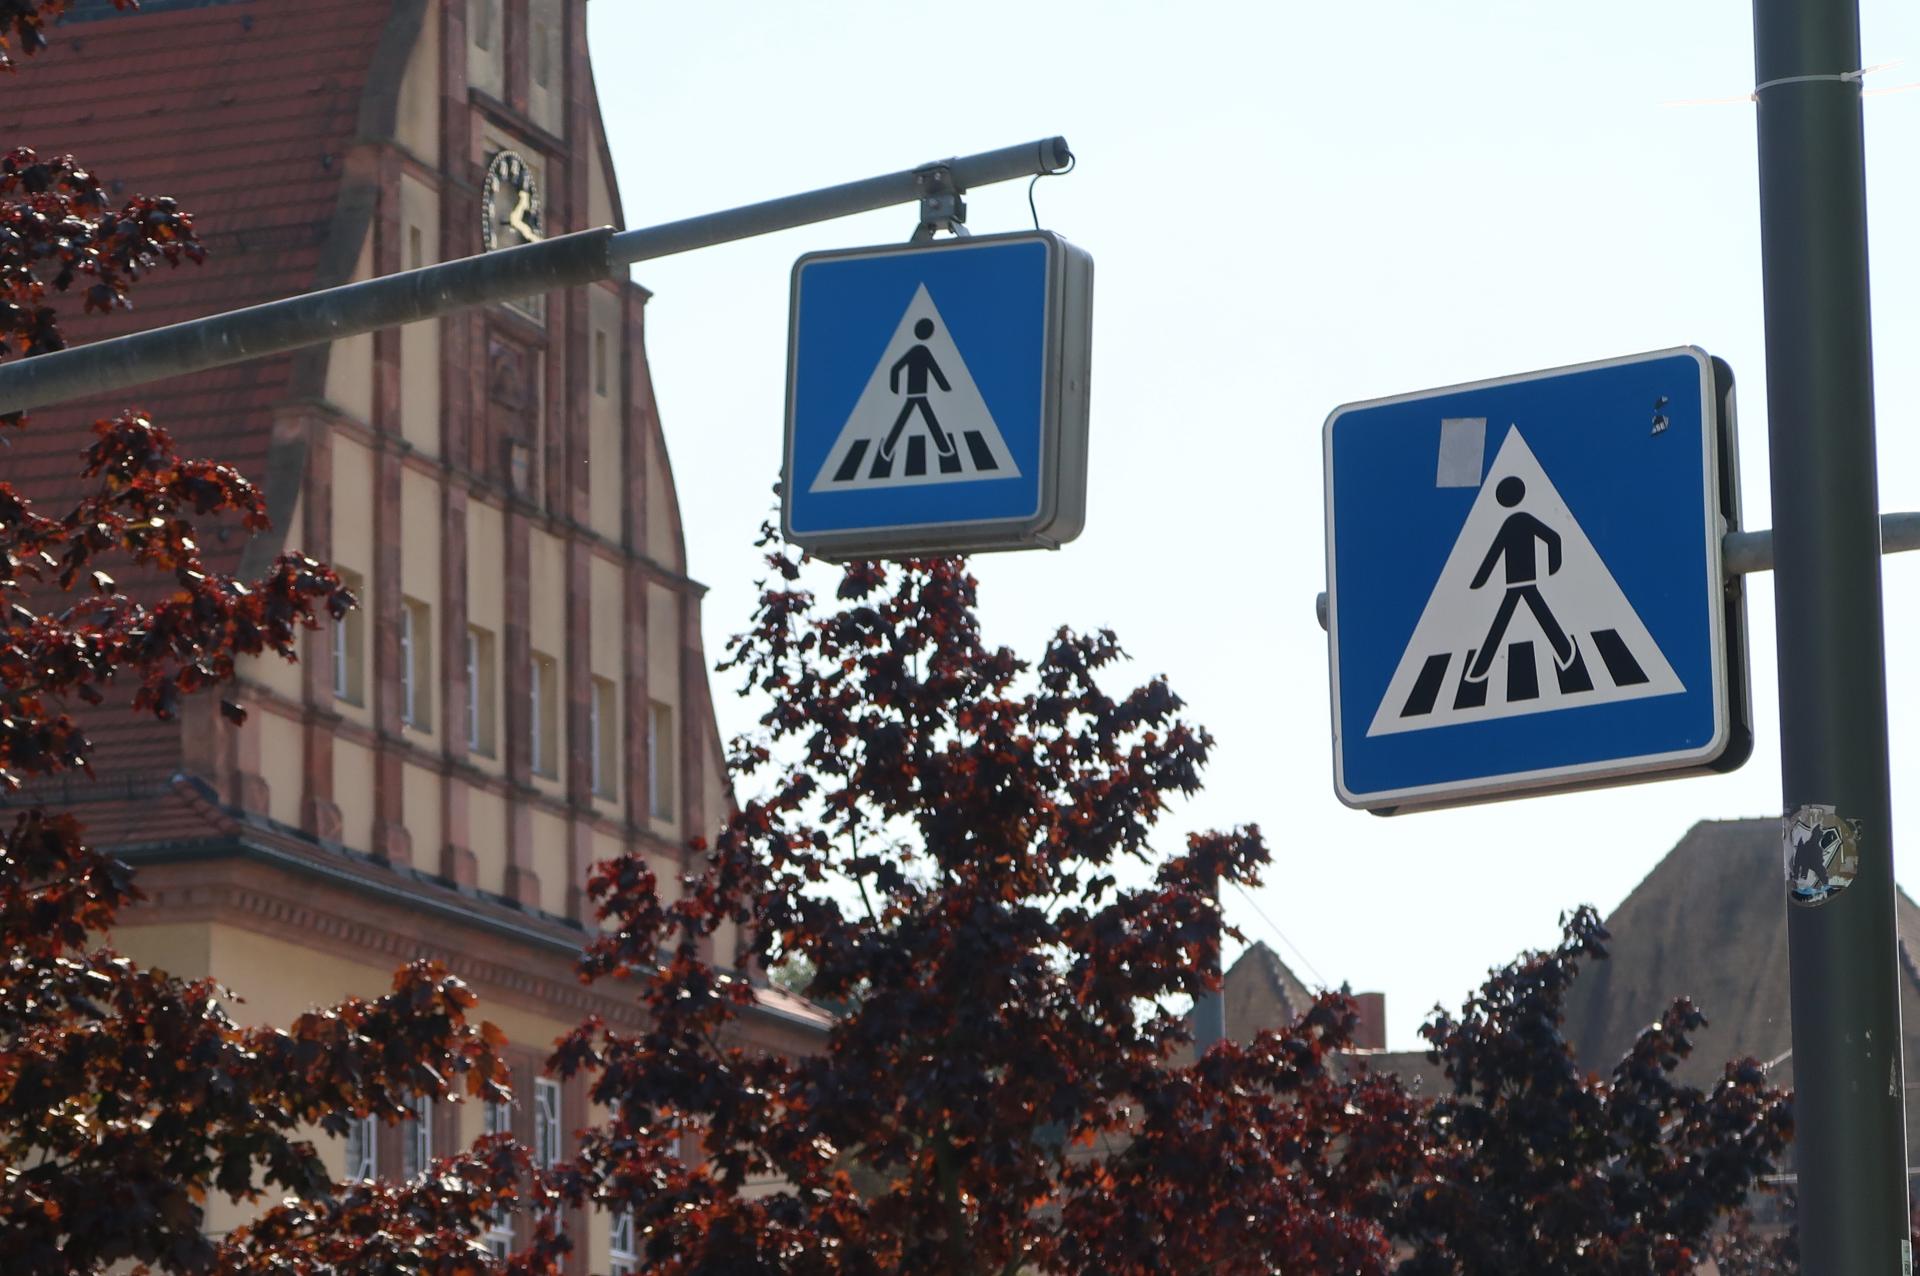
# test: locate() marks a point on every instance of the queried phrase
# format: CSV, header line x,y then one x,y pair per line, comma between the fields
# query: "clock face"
x,y
509,203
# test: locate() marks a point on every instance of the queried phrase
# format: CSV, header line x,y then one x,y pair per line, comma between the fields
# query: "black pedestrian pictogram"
x,y
919,364
1515,545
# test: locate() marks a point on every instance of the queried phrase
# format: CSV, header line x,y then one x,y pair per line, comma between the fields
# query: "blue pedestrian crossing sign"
x,y
937,397
1524,584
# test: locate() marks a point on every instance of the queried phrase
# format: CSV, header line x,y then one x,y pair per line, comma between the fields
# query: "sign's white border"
x,y
1577,775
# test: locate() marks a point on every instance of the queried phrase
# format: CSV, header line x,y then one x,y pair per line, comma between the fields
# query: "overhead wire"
x,y
1281,935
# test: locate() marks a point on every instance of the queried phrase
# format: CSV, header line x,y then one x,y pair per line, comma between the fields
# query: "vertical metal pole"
x,y
1210,1012
1850,1145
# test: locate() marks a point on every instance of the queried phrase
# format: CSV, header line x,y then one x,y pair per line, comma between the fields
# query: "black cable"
x,y
1072,160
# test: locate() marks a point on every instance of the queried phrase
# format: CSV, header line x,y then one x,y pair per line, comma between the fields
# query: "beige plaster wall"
x,y
487,831
487,67
547,592
606,467
182,949
607,617
420,342
599,187
353,505
661,545
282,677
349,385
418,125
353,793
295,526
421,810
546,43
550,861
281,753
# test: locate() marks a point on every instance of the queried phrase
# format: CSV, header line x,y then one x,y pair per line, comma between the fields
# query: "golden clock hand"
x,y
517,218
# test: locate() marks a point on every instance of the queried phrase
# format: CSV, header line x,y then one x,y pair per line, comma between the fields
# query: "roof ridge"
x,y
1698,829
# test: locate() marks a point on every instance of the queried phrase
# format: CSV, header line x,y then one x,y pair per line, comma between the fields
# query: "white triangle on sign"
x,y
1563,635
920,418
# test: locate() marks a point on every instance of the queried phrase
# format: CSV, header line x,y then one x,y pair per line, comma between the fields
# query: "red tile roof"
x,y
244,113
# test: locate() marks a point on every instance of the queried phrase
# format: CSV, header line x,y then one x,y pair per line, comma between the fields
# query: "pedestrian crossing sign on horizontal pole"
x,y
937,397
1524,584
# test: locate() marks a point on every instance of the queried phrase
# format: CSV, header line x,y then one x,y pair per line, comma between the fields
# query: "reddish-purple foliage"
x,y
128,1096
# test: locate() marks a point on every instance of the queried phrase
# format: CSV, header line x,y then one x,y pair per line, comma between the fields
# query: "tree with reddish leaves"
x,y
955,843
127,1096
1534,1164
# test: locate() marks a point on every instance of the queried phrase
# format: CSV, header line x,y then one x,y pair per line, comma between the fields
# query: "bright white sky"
x,y
1290,207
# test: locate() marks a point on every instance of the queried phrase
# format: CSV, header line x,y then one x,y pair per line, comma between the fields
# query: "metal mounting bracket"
x,y
941,204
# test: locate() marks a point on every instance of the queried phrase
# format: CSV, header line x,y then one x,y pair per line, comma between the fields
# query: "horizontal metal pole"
x,y
1746,552
1049,155
508,274
275,327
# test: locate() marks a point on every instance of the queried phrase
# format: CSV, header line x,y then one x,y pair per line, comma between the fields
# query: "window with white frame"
x,y
350,645
416,664
660,760
416,1153
497,1118
498,1237
603,738
546,1122
481,685
543,715
623,1258
363,1148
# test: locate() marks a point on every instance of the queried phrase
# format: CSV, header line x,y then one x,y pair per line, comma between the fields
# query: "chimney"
x,y
1371,1032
